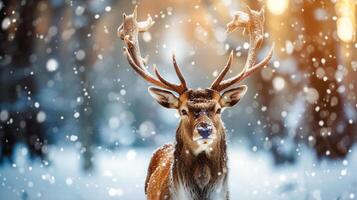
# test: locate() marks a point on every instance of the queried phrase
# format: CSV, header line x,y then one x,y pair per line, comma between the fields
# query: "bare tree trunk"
x,y
332,133
17,84
87,124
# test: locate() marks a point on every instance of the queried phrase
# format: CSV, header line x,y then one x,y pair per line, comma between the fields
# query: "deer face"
x,y
200,114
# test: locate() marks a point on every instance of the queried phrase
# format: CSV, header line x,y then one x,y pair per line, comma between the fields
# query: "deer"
x,y
195,165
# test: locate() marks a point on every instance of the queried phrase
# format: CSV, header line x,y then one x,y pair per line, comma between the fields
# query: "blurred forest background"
x,y
65,82
67,94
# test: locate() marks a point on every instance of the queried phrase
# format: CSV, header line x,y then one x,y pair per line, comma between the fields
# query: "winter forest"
x,y
77,122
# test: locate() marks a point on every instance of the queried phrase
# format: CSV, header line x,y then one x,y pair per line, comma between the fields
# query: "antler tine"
x,y
177,88
178,72
128,31
263,63
144,74
223,73
134,53
246,72
253,22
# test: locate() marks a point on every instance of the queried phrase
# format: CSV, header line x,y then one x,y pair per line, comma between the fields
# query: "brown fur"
x,y
157,179
175,164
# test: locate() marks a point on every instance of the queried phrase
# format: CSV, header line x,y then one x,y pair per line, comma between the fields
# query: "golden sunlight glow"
x,y
345,29
346,22
277,7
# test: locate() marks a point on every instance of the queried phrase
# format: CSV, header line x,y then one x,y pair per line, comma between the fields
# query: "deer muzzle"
x,y
204,129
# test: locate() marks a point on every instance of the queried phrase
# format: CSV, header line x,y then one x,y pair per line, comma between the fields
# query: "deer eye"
x,y
218,111
184,112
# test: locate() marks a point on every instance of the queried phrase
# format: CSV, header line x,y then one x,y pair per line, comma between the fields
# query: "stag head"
x,y
200,110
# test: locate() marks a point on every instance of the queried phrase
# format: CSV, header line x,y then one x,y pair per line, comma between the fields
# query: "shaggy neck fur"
x,y
200,177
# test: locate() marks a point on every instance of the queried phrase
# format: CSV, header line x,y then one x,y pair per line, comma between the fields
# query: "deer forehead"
x,y
200,98
205,107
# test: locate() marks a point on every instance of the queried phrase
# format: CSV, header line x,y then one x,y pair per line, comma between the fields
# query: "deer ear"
x,y
164,97
231,97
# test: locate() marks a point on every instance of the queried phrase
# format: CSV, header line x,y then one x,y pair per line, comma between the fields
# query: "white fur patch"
x,y
219,192
181,193
203,146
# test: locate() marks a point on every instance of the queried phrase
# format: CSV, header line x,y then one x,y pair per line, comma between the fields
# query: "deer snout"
x,y
204,129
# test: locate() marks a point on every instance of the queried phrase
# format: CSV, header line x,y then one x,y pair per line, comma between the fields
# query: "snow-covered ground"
x,y
121,175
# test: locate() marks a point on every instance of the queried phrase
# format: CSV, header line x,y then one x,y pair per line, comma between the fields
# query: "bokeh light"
x,y
277,7
346,23
345,29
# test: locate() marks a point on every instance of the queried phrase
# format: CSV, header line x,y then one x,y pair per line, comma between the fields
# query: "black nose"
x,y
204,129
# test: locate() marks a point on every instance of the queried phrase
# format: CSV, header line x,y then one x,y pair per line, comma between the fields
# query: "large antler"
x,y
129,31
252,22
